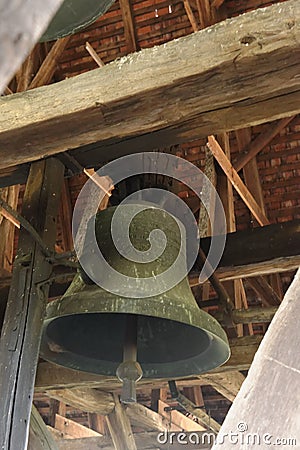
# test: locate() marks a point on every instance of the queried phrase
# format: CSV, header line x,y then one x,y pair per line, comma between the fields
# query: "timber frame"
x,y
225,95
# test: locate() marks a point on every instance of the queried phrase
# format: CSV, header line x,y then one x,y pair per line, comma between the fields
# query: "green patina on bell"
x,y
73,16
85,329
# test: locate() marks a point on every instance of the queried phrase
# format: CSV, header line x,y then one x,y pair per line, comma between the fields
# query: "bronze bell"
x,y
86,328
73,16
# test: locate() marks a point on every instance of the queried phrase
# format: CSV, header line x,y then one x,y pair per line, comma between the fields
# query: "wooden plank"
x,y
72,428
120,428
21,331
88,400
143,417
228,383
145,441
262,140
91,108
177,418
40,437
236,181
94,55
204,420
20,29
275,369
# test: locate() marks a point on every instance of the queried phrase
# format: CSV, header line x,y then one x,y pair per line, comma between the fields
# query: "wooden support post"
x,y
120,428
66,217
253,183
98,423
21,331
273,376
226,194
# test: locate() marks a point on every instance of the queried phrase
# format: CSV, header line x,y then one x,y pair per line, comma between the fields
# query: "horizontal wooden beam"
x,y
194,86
269,249
51,376
145,441
88,400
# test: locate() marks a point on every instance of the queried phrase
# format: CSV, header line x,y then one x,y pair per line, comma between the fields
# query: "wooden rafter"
x,y
89,108
94,55
48,67
236,181
129,27
261,141
190,15
19,344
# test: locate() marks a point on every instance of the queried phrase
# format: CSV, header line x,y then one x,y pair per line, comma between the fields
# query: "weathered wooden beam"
x,y
72,428
144,441
227,383
275,369
143,417
261,141
50,376
256,315
19,31
40,437
120,428
88,400
269,249
21,331
197,72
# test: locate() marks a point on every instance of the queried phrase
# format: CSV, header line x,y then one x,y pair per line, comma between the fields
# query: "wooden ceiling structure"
x,y
173,76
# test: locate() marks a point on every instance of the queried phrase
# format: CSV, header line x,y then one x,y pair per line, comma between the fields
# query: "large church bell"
x,y
161,336
73,16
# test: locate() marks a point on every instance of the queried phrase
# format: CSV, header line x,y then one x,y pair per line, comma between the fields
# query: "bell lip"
x,y
161,306
193,316
165,371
